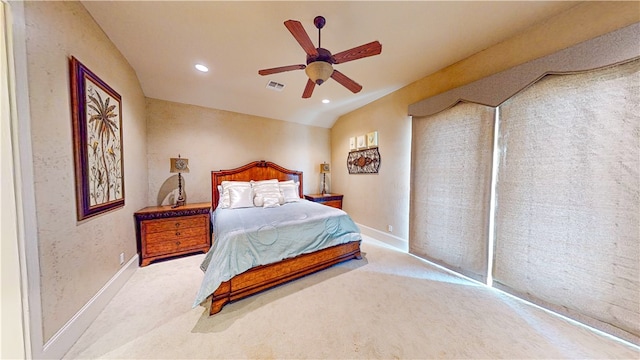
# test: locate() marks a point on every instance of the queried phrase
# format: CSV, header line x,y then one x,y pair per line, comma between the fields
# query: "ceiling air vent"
x,y
275,86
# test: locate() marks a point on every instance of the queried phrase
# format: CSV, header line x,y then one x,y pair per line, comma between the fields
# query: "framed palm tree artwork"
x,y
97,139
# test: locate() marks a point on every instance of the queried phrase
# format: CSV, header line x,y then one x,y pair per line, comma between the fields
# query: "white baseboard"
x,y
63,340
399,243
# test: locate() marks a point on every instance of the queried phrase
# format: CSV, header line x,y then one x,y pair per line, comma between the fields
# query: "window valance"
x,y
613,48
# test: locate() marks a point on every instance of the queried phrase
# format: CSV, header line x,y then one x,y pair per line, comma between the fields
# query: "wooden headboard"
x,y
257,170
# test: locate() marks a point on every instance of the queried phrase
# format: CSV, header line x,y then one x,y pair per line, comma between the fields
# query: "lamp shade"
x,y
325,168
319,71
179,165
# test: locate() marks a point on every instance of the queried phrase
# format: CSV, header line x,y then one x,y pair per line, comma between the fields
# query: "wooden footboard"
x,y
267,276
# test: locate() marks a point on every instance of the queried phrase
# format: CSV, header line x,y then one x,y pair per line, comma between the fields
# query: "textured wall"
x,y
77,258
216,139
376,200
380,200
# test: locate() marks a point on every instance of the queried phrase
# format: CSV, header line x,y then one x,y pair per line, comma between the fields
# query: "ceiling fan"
x,y
320,61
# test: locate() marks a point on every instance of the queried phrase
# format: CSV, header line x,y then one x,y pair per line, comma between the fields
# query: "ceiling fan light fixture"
x,y
319,71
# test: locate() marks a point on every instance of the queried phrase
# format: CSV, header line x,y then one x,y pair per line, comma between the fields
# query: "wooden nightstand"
x,y
164,231
333,200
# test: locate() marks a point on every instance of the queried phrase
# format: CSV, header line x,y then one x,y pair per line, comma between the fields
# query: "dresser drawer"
x,y
162,225
176,245
333,203
176,234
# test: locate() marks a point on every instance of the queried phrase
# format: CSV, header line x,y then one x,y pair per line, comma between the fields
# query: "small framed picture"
x,y
361,142
372,139
352,143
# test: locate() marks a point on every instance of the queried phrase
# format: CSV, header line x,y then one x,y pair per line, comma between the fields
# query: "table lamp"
x,y
179,165
324,170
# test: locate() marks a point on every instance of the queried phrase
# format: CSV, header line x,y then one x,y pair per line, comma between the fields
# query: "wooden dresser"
x,y
163,231
333,200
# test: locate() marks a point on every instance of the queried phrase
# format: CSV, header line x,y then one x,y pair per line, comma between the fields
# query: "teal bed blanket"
x,y
249,237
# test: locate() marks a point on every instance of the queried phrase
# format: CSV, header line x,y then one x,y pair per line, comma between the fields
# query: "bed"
x,y
233,272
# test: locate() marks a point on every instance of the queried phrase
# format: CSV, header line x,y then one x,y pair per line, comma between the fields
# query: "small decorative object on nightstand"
x,y
167,231
333,200
179,165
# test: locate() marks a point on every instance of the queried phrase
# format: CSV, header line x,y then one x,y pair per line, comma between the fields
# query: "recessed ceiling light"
x,y
202,68
326,101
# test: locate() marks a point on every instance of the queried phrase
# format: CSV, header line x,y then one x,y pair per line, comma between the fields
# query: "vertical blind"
x,y
568,197
450,185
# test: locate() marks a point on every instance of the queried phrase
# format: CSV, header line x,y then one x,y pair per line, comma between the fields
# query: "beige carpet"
x,y
387,305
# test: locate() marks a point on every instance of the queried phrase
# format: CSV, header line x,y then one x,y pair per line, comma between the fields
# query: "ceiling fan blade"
x,y
346,82
301,36
308,90
281,69
359,52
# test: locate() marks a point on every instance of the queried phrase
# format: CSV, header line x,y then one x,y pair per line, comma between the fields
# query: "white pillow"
x,y
263,186
271,202
258,201
226,185
240,197
268,189
290,190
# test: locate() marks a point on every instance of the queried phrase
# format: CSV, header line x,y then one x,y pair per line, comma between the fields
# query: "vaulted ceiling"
x,y
164,40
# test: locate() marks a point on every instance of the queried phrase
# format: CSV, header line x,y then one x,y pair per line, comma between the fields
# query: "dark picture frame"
x,y
96,111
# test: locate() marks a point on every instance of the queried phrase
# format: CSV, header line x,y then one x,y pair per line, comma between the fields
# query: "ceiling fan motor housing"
x,y
323,55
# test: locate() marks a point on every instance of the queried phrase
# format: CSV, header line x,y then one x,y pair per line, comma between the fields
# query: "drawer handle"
x,y
178,243
177,224
177,233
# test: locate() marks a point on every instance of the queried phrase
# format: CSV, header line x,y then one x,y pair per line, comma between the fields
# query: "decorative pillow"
x,y
290,190
269,190
240,197
226,185
258,201
271,202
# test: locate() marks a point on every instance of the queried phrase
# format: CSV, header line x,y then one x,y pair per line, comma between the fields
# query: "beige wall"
x,y
380,200
77,258
215,139
376,200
